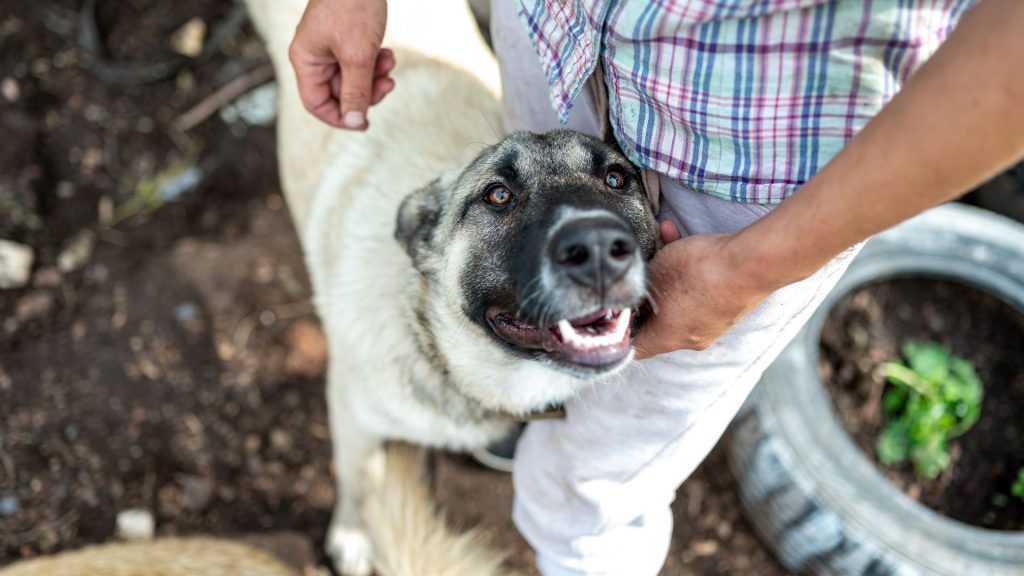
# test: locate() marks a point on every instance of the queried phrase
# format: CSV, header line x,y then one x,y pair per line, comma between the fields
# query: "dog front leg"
x,y
359,468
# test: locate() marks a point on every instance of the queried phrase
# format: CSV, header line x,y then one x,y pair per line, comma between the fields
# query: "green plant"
x,y
934,398
1017,489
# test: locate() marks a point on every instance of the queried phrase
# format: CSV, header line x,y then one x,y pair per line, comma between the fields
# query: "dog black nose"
x,y
594,252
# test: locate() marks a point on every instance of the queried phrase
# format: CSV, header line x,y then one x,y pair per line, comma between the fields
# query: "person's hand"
x,y
340,67
699,292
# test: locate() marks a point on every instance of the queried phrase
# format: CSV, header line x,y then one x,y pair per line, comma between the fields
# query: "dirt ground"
x,y
165,354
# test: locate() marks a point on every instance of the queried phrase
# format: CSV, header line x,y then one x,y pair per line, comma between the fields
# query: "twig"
x,y
209,105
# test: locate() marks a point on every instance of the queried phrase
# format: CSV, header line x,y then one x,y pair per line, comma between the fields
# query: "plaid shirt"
x,y
742,99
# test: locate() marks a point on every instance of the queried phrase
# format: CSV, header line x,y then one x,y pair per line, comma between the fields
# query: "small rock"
x,y
46,277
135,524
186,311
76,252
258,107
9,88
92,159
33,305
723,530
704,548
196,491
71,432
307,349
188,40
280,440
9,505
15,264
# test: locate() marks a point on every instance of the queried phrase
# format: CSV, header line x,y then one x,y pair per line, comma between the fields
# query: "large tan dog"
x,y
461,284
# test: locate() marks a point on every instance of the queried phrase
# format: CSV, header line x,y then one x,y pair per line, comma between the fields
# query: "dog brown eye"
x,y
614,178
498,196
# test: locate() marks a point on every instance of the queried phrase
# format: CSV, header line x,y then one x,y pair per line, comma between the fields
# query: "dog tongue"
x,y
602,314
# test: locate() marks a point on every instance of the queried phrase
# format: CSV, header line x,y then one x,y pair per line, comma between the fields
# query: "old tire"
x,y
812,495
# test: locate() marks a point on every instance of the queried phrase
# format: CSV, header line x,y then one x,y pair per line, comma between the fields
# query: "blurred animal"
x,y
464,280
163,557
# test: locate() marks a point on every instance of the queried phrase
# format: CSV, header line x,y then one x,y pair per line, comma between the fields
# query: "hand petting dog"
x,y
697,292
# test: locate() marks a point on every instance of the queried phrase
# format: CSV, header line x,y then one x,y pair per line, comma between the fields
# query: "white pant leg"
x,y
593,491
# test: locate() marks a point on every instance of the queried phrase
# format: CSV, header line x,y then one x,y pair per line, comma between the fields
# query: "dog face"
x,y
540,245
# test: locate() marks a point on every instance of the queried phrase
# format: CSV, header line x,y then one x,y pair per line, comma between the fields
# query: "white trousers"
x,y
593,490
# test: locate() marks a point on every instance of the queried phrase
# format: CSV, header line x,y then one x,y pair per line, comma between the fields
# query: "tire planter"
x,y
813,496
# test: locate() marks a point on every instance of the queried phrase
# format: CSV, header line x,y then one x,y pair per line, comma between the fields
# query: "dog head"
x,y
537,253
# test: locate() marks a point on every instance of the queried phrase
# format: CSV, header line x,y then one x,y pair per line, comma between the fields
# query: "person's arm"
x,y
958,121
340,67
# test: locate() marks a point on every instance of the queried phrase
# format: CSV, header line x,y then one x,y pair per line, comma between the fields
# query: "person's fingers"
x,y
314,68
336,89
381,88
314,83
385,62
669,232
356,93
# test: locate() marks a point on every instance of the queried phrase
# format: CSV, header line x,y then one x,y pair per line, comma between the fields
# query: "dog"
x,y
464,280
161,557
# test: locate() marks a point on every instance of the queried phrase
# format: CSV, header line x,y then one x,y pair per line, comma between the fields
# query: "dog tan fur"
x,y
164,557
408,523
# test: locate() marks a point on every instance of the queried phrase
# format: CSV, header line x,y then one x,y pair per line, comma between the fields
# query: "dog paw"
x,y
351,551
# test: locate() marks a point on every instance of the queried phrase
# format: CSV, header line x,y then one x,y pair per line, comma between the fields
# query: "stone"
x,y
704,548
186,311
307,349
10,89
281,440
76,252
9,505
15,264
258,107
188,40
135,524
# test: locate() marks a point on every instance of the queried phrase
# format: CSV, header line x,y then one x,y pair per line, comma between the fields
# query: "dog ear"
x,y
418,216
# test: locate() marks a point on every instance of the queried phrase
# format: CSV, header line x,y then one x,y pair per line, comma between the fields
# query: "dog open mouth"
x,y
597,339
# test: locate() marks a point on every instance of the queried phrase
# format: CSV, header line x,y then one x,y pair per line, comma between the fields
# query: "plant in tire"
x,y
934,397
1018,485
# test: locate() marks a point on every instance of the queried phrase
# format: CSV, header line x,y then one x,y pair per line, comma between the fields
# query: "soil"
x,y
867,328
178,366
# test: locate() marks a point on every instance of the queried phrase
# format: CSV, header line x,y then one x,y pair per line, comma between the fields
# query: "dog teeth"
x,y
608,314
576,339
568,334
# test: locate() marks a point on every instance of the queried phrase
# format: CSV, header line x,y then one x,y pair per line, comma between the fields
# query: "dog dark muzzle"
x,y
581,310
